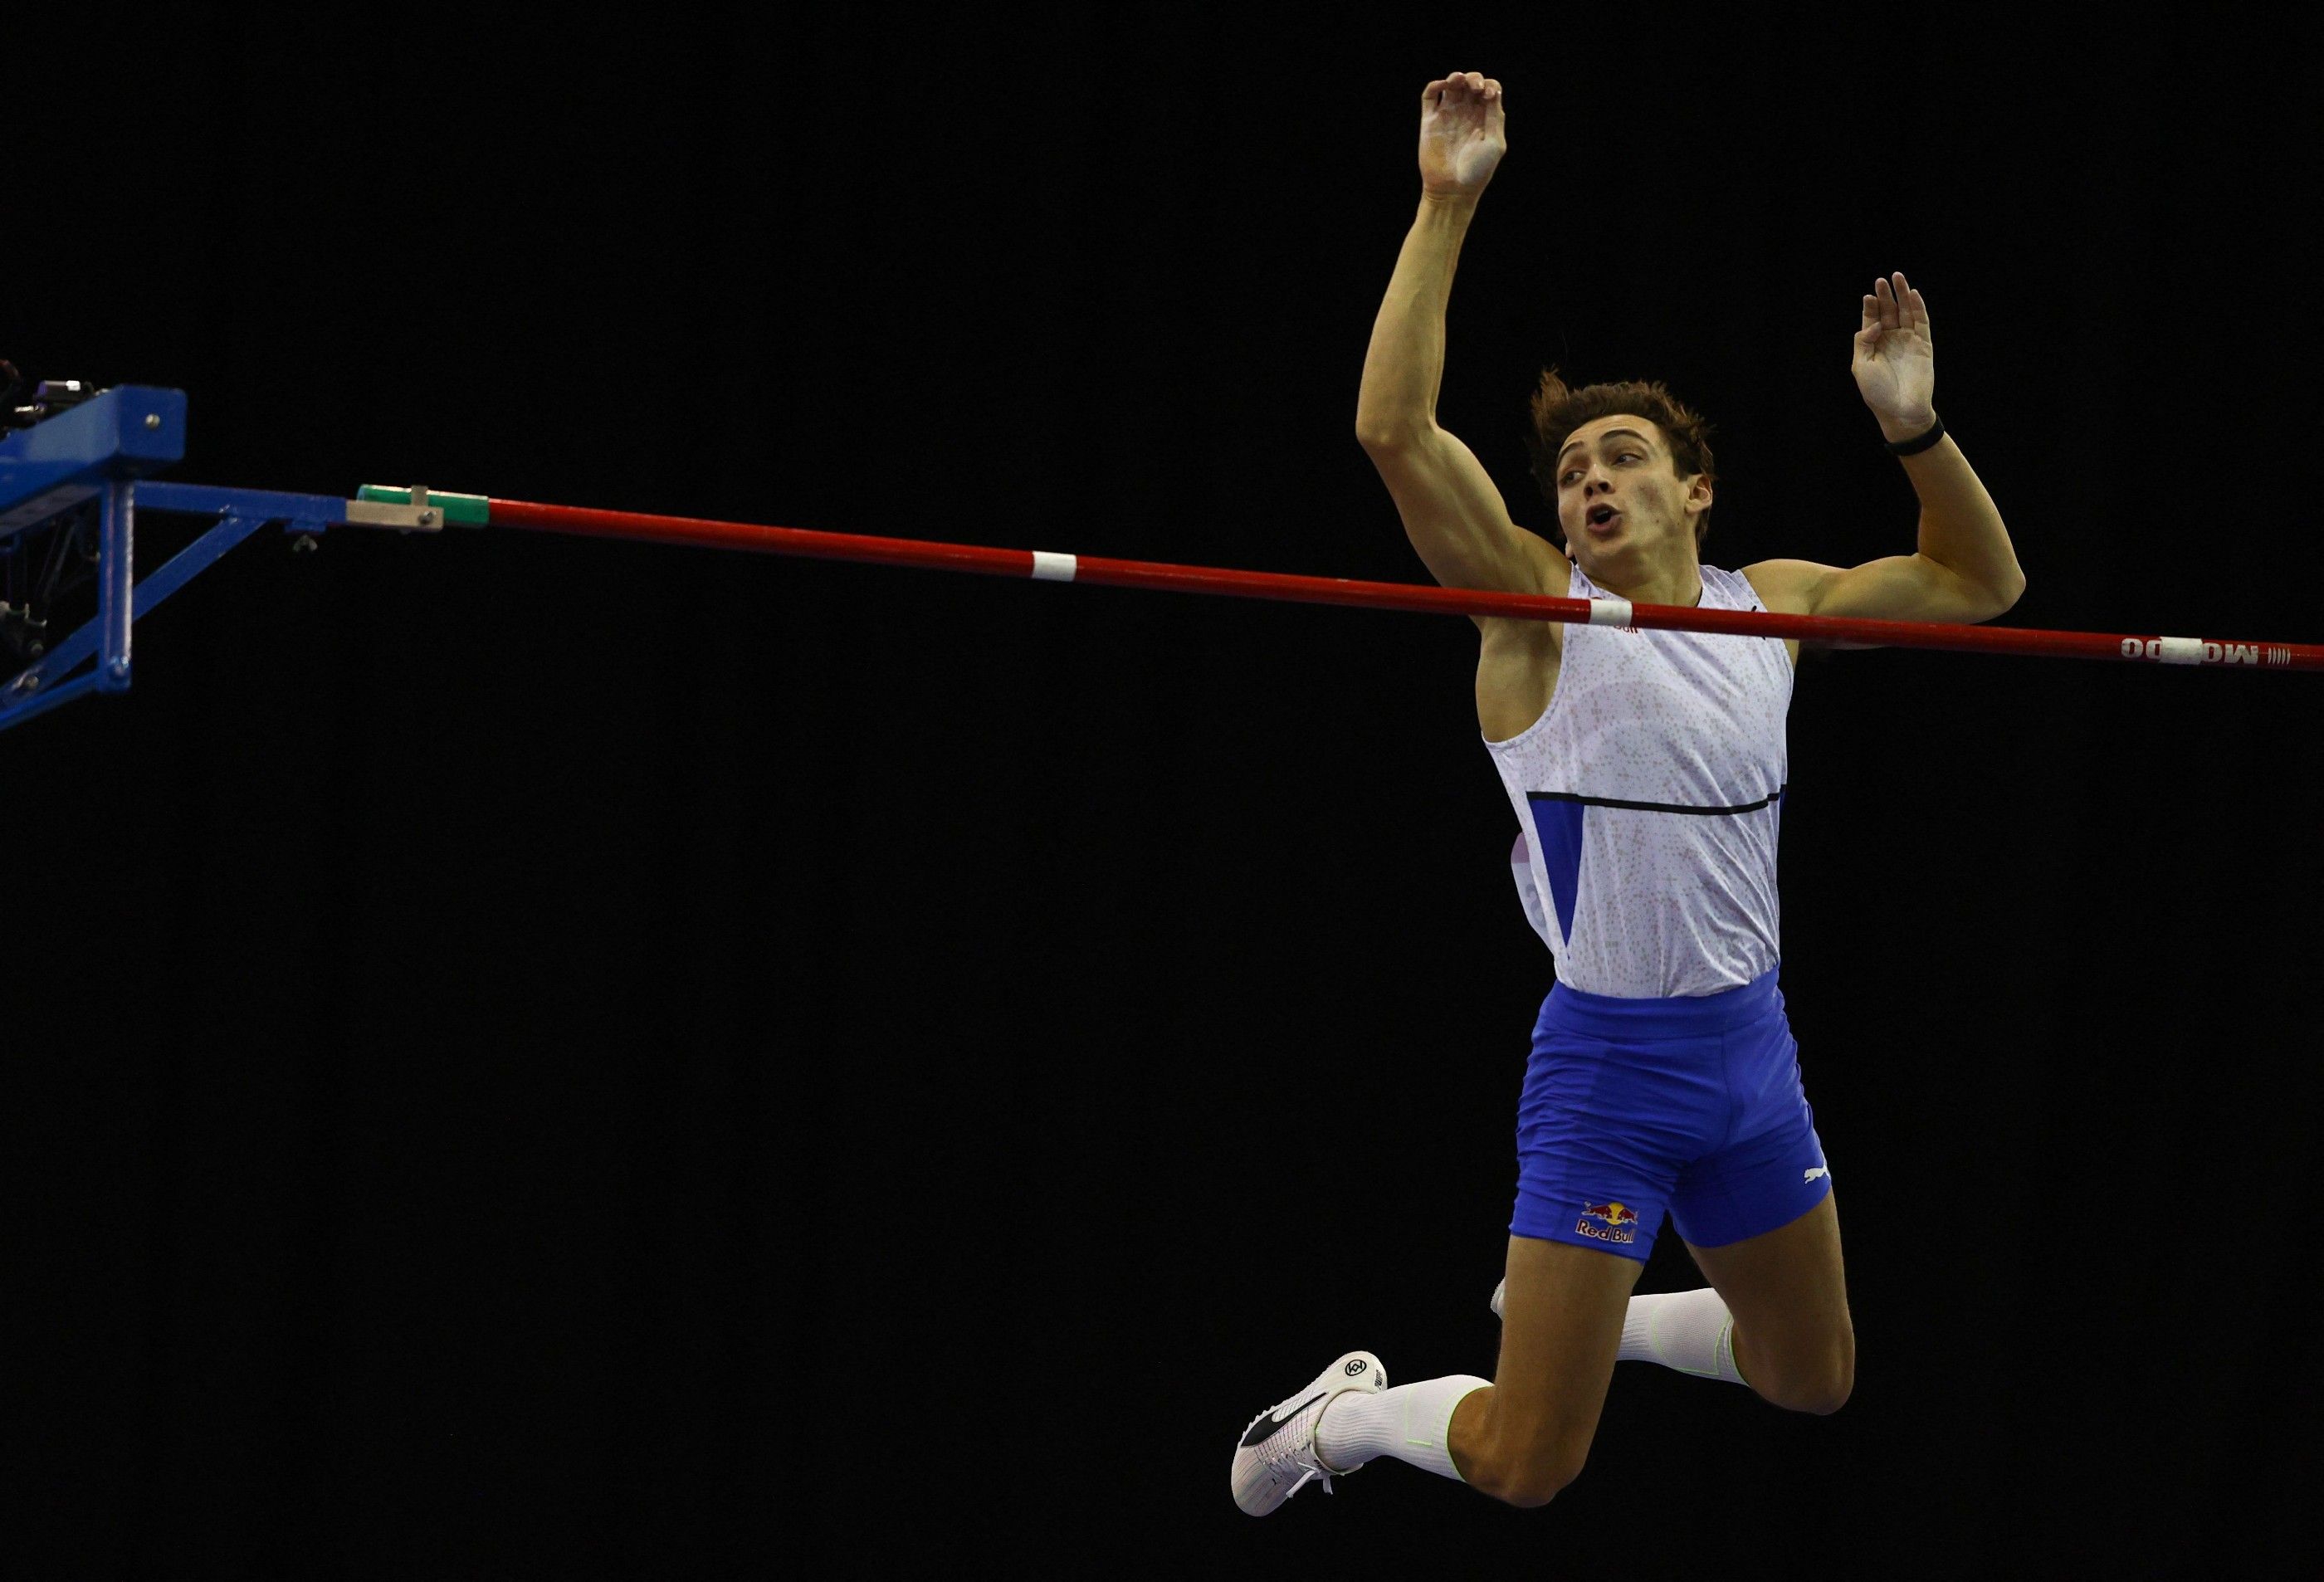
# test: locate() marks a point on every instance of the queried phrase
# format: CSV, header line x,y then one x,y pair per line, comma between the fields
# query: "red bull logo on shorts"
x,y
1614,1222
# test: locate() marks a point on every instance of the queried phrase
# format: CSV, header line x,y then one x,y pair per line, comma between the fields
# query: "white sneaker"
x,y
1500,1291
1278,1455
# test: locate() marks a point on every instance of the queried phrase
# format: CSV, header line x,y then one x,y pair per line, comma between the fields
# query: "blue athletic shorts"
x,y
1633,1107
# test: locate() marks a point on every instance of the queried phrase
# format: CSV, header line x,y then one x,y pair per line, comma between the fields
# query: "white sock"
x,y
1412,1422
1690,1330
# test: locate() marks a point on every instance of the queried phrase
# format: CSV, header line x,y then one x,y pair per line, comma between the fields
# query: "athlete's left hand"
x,y
1895,363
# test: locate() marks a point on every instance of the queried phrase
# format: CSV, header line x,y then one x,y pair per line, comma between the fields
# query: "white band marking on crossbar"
x,y
2179,650
1051,567
1610,613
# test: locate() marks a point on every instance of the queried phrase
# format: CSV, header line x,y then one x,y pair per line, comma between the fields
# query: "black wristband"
x,y
1919,442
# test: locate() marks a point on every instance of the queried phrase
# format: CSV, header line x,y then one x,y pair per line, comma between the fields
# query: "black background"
x,y
531,1054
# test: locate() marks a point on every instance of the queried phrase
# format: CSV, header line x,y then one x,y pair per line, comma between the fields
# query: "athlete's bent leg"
x,y
1787,1288
1526,1437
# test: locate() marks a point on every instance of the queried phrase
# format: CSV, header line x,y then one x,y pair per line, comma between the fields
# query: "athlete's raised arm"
x,y
1964,568
1452,512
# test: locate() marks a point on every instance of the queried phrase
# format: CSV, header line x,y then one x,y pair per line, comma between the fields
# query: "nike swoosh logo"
x,y
1265,1426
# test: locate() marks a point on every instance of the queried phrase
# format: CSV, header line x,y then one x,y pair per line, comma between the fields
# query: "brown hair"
x,y
1558,411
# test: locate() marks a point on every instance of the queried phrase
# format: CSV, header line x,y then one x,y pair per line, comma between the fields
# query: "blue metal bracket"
x,y
98,450
113,437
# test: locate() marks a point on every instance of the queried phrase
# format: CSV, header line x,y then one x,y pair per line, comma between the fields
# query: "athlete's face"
x,y
1621,501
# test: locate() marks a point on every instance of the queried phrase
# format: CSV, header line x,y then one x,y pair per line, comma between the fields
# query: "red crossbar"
x,y
1322,590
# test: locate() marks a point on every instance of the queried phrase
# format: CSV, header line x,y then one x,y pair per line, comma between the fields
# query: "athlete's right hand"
x,y
1461,134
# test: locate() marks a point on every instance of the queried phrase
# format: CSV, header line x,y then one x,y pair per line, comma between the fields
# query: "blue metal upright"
x,y
116,577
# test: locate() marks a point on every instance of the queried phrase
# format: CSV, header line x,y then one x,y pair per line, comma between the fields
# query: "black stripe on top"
x,y
1653,806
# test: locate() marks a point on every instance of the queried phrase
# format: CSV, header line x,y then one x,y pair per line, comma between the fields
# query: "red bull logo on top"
x,y
1615,1222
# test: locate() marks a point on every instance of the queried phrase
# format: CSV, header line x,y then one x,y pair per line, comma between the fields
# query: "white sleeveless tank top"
x,y
1649,796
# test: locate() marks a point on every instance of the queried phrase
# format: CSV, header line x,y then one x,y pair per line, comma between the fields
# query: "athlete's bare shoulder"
x,y
1787,587
1547,573
1517,661
1557,572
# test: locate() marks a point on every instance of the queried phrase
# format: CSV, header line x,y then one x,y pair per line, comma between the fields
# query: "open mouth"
x,y
1600,517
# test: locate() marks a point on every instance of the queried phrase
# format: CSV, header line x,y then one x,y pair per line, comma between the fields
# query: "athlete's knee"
x,y
1825,1395
1839,1381
1819,1385
1527,1481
